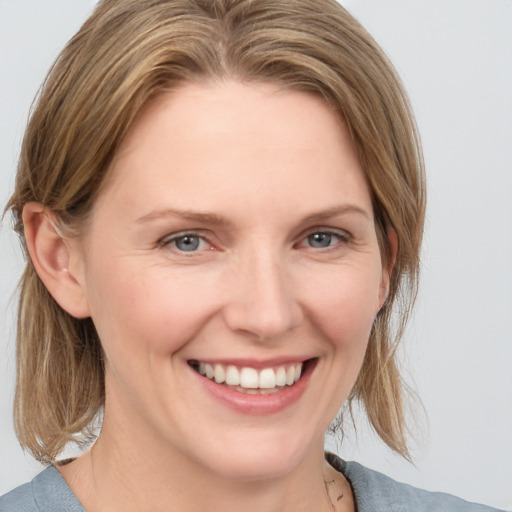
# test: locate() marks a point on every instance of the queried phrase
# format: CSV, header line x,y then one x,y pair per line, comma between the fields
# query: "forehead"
x,y
234,110
234,140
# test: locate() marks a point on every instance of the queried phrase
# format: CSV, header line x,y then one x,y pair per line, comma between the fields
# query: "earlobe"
x,y
388,266
55,259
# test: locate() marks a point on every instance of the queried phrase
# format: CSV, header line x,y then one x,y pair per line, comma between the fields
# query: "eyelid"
x,y
343,235
325,229
168,239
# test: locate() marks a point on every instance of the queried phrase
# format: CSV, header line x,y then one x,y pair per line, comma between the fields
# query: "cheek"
x,y
345,305
147,310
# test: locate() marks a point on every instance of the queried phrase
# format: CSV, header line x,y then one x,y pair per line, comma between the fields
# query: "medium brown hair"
x,y
127,52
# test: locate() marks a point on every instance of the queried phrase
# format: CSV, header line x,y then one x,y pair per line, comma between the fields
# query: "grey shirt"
x,y
373,491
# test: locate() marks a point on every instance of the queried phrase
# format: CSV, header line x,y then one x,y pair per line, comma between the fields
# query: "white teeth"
x,y
290,376
298,370
281,376
250,378
220,375
232,376
267,379
209,371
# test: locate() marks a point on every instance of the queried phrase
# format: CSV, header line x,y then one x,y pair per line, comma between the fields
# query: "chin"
x,y
257,467
258,458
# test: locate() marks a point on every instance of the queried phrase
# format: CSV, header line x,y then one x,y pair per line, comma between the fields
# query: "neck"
x,y
114,477
130,469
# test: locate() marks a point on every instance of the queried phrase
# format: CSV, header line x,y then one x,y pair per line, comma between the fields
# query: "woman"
x,y
222,202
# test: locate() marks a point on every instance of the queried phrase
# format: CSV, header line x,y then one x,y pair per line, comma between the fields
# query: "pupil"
x,y
187,243
320,240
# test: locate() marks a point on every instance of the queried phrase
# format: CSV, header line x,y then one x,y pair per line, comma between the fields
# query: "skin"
x,y
270,168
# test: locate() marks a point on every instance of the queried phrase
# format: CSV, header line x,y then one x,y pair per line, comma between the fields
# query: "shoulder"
x,y
375,492
47,491
19,499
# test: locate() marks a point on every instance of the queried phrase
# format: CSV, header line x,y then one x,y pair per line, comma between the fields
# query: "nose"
x,y
262,302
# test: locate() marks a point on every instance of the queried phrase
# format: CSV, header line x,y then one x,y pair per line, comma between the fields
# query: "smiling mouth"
x,y
251,380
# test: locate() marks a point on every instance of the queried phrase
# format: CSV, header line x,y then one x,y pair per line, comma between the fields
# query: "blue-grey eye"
x,y
322,239
187,243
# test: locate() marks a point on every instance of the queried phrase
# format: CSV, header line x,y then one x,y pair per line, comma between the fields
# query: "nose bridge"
x,y
262,300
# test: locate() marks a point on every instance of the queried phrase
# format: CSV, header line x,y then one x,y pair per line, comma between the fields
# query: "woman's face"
x,y
234,239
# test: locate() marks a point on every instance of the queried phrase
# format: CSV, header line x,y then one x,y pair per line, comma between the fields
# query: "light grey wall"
x,y
32,32
455,57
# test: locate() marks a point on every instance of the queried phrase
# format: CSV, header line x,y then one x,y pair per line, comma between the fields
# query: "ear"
x,y
388,266
56,259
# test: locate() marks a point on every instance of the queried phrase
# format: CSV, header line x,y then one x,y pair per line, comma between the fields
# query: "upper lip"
x,y
253,363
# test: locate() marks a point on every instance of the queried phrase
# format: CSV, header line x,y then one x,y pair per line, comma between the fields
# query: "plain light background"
x,y
455,57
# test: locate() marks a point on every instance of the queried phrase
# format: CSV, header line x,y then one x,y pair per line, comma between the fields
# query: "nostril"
x,y
261,323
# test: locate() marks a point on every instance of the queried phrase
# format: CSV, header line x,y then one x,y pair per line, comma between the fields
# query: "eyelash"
x,y
172,239
341,236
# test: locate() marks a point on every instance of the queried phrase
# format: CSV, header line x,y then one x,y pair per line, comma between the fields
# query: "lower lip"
x,y
258,405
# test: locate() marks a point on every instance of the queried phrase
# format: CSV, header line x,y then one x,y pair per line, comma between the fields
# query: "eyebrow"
x,y
203,218
216,220
335,211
